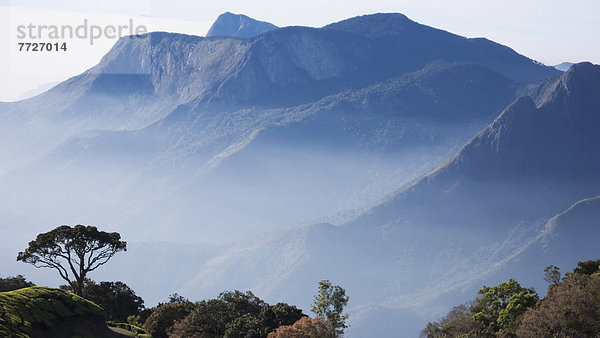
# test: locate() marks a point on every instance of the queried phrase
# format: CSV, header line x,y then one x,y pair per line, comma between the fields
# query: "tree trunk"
x,y
79,287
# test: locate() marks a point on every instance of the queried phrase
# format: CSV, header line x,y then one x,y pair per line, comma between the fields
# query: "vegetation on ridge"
x,y
41,308
570,309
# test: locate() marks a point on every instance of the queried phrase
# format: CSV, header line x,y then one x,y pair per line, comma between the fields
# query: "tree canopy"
x,y
329,303
73,252
499,307
117,299
588,267
552,275
235,314
570,309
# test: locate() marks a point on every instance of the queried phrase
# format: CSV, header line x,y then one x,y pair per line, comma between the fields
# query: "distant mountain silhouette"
x,y
142,80
238,26
551,149
564,66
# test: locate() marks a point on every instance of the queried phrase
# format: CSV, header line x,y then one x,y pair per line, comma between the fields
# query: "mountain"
x,y
566,238
480,212
204,141
142,79
238,26
564,66
375,139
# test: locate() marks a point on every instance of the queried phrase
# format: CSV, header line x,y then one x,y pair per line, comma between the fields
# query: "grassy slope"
x,y
37,310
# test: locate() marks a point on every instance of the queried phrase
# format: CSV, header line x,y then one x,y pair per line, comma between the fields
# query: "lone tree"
x,y
552,275
329,304
73,252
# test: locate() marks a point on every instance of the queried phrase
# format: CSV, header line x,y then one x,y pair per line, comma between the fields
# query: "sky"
x,y
549,31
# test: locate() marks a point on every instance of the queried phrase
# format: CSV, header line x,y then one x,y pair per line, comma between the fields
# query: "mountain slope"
x,y
449,230
566,238
238,26
374,139
526,145
412,42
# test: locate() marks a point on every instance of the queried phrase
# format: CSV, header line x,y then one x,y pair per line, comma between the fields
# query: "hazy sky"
x,y
550,31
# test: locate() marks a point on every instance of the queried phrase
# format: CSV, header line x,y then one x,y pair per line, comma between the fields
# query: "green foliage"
x,y
552,275
177,298
73,252
329,303
130,327
247,327
588,267
135,320
267,320
116,298
496,312
571,309
510,317
499,307
162,319
209,318
39,307
285,314
235,314
14,283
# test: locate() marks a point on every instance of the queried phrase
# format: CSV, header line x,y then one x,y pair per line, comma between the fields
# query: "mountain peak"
x,y
578,85
374,25
581,71
239,26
